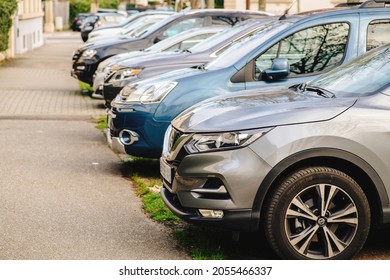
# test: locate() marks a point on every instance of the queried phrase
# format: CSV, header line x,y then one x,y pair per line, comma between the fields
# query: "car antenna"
x,y
284,16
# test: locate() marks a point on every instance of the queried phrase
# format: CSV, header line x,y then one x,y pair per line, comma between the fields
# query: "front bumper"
x,y
232,220
150,132
117,145
84,72
110,91
222,181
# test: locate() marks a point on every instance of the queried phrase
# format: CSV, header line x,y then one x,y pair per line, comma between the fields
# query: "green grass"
x,y
101,122
199,242
85,88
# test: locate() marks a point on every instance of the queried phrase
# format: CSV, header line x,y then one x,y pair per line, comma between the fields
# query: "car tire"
x,y
298,227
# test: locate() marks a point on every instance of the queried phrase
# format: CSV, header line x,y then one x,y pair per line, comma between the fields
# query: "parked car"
x,y
78,20
307,165
99,19
87,58
181,41
135,69
133,22
306,46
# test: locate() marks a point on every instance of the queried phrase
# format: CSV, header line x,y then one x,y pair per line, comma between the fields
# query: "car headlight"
x,y
209,142
88,54
124,74
150,93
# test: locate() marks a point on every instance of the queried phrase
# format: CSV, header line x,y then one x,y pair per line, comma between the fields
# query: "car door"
x,y
310,50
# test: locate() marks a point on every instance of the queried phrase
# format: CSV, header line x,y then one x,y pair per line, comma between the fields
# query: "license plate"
x,y
165,171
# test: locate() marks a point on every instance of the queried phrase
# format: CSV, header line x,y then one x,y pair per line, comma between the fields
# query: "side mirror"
x,y
280,69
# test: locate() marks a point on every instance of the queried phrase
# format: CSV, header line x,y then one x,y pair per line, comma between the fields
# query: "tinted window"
x,y
310,50
364,76
225,20
190,42
378,33
184,25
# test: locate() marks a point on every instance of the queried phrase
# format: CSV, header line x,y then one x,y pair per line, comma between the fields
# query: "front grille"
x,y
173,138
176,149
76,56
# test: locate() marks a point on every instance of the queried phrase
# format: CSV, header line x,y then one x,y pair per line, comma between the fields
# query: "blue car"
x,y
287,51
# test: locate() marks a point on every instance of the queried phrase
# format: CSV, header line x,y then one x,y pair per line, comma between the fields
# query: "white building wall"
x,y
28,26
29,34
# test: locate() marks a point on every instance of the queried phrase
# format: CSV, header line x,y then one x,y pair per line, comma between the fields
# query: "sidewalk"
x,y
63,195
38,85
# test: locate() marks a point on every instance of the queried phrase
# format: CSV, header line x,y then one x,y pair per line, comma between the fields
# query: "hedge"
x,y
7,9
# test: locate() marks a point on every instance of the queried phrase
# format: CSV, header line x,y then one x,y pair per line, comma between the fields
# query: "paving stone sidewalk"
x,y
38,85
63,195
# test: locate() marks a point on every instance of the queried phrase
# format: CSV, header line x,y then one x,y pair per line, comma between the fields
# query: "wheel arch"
x,y
352,165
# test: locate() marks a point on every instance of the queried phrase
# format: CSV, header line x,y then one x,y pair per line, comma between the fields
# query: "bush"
x,y
84,6
7,9
78,6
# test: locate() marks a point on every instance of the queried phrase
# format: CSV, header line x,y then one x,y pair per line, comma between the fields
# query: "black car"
x,y
87,58
99,19
78,20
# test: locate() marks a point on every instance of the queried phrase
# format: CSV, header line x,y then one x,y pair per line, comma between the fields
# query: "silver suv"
x,y
307,164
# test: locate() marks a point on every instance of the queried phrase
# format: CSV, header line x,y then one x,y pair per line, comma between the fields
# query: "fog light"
x,y
216,214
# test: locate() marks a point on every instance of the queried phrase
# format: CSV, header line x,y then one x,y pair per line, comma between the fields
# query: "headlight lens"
x,y
150,93
222,141
89,53
124,74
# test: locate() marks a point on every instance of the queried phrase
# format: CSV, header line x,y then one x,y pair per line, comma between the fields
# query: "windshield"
x,y
158,25
235,52
139,25
214,40
364,76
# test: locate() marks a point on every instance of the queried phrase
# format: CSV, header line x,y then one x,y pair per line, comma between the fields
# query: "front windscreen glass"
x,y
364,76
235,52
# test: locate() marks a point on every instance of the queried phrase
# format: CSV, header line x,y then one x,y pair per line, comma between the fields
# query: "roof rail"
x,y
374,4
349,4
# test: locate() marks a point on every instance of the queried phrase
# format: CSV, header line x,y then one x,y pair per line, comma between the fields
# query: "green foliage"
x,y
78,6
108,4
84,6
7,8
218,4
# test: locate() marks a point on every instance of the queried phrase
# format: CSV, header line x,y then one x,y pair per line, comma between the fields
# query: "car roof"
x,y
339,10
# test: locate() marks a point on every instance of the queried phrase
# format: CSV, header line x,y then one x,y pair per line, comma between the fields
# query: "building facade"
x,y
27,30
279,6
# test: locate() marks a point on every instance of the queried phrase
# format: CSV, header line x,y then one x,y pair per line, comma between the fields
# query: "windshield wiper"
x,y
300,88
320,91
201,67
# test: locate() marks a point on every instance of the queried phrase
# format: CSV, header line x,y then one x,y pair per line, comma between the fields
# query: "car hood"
x,y
254,109
171,76
161,58
108,41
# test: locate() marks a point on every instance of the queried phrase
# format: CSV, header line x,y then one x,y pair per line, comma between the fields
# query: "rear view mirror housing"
x,y
280,69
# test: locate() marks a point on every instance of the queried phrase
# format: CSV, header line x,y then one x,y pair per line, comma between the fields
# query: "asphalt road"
x,y
62,193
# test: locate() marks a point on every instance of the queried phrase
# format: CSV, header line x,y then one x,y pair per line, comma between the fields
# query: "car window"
x,y
184,25
378,33
364,76
225,20
190,42
311,50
